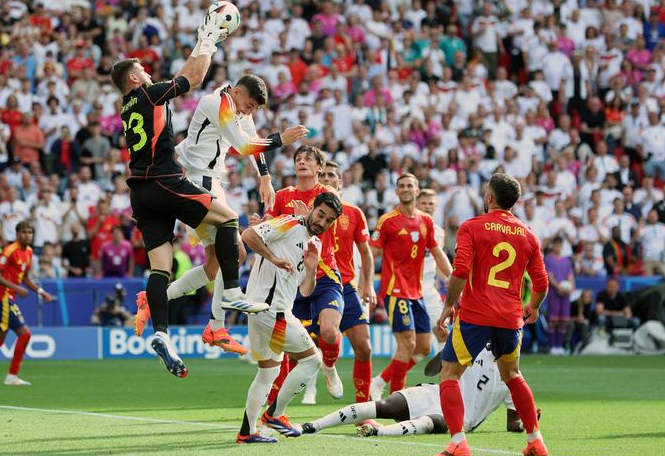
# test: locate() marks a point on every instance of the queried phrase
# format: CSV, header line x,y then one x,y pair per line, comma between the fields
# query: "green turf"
x,y
591,407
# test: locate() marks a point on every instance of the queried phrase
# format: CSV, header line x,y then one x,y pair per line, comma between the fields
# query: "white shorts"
x,y
205,233
434,306
422,400
269,340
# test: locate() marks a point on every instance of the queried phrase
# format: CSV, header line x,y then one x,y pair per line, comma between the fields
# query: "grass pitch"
x,y
603,406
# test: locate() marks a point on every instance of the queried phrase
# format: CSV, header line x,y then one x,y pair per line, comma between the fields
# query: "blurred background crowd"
x,y
566,95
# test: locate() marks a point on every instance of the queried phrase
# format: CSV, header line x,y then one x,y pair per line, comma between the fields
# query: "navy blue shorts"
x,y
407,314
327,295
354,311
466,340
10,316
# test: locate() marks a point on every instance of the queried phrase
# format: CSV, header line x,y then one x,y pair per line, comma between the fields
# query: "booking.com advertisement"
x,y
121,342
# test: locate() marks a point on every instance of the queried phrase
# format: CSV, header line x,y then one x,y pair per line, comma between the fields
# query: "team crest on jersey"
x,y
415,236
343,222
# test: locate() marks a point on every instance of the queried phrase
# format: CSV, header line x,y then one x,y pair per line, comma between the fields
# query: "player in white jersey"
x,y
288,251
417,410
426,201
222,120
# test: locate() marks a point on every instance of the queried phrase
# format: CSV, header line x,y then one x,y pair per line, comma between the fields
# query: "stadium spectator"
x,y
99,228
76,254
578,329
562,282
652,238
117,255
612,310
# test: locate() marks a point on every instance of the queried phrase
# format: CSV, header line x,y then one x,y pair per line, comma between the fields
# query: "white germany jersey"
x,y
286,236
214,128
429,267
482,392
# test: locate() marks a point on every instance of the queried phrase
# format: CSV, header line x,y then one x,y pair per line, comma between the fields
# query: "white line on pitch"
x,y
226,427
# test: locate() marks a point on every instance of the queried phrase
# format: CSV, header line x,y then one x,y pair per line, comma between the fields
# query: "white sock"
x,y
459,438
311,385
258,393
350,414
231,294
218,314
417,358
296,381
422,425
533,436
379,381
191,280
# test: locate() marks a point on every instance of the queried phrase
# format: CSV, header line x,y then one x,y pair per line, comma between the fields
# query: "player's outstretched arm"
x,y
196,66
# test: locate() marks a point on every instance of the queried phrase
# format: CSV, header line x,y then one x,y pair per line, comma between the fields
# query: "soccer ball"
x,y
566,285
228,16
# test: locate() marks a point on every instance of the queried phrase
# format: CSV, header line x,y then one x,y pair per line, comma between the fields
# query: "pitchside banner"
x,y
120,342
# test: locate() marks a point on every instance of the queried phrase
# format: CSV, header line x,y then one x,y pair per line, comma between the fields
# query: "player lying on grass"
x,y
288,250
417,410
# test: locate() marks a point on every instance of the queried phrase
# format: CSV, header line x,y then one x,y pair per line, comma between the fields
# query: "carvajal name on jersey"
x,y
505,229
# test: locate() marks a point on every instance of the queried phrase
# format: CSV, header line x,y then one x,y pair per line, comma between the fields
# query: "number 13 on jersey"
x,y
136,125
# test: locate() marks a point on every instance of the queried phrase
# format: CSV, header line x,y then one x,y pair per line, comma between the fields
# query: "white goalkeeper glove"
x,y
209,35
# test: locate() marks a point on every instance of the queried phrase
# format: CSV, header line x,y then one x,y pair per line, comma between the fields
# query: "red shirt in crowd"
x,y
103,234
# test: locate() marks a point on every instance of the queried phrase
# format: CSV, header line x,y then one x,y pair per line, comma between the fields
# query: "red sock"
x,y
524,403
362,379
330,352
387,373
398,380
19,351
277,384
452,405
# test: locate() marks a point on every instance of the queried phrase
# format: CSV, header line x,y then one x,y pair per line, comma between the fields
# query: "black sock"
x,y
228,252
157,300
271,408
244,429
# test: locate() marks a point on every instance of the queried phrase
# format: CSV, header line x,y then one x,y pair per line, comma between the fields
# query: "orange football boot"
x,y
223,339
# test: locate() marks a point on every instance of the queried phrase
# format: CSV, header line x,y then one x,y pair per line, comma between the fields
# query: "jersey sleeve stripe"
x,y
283,223
385,217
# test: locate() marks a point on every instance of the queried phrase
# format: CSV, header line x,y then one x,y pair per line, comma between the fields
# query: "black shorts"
x,y
157,203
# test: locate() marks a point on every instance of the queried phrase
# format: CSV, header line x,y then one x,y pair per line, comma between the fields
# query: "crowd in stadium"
x,y
566,96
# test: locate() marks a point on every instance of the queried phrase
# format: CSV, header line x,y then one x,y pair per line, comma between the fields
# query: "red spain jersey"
x,y
284,205
404,241
492,252
15,263
351,227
